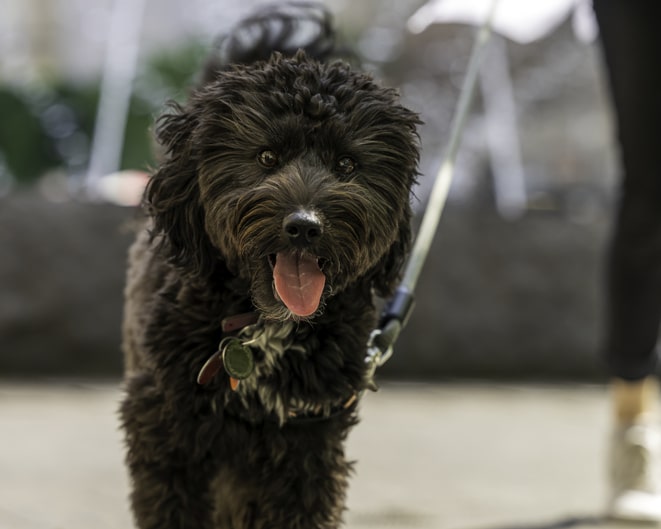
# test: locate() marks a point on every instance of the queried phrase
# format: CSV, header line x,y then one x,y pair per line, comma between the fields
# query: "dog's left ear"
x,y
388,271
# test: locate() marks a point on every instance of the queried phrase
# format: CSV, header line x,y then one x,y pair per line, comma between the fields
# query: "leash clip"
x,y
383,338
380,349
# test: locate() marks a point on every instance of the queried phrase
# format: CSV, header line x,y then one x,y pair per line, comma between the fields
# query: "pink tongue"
x,y
299,282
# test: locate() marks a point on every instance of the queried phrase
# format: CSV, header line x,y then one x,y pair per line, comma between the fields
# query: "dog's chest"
x,y
270,343
278,384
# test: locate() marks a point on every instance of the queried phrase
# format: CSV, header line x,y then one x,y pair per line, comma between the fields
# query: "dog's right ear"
x,y
172,197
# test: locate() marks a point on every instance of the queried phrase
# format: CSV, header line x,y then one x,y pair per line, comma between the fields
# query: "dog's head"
x,y
296,175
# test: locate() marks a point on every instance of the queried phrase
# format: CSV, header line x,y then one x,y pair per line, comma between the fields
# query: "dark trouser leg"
x,y
631,38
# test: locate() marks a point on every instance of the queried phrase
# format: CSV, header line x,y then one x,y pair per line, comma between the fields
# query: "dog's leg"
x,y
169,489
290,478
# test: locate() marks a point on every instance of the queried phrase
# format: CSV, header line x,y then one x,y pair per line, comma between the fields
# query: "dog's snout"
x,y
302,228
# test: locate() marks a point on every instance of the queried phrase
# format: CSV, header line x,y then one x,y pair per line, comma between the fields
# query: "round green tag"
x,y
237,359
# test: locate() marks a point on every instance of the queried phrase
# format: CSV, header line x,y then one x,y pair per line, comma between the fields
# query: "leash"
x,y
398,310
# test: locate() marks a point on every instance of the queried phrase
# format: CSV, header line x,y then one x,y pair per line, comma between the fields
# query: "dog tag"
x,y
209,369
238,360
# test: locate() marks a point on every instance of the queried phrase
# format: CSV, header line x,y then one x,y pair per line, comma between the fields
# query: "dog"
x,y
279,213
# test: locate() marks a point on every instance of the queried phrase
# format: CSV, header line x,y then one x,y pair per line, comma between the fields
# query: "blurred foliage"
x,y
24,145
50,127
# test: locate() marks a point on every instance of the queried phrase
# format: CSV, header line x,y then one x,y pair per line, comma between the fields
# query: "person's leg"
x,y
631,40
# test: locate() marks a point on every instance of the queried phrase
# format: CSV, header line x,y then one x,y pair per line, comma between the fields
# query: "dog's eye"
x,y
345,165
268,159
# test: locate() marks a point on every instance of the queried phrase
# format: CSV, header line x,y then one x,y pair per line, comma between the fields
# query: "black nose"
x,y
302,228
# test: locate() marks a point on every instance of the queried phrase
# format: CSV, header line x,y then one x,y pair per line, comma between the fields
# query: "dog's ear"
x,y
387,273
172,197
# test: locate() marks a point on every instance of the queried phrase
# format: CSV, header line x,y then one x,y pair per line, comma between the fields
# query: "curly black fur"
x,y
339,146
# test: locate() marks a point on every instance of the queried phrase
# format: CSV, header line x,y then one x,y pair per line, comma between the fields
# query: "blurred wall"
x,y
62,273
497,298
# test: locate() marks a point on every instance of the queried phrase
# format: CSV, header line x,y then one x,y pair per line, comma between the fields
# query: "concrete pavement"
x,y
430,456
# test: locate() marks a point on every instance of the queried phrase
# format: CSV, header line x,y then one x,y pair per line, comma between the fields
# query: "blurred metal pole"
x,y
502,135
122,49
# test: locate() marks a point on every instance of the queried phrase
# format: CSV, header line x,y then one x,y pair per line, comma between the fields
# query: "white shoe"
x,y
635,473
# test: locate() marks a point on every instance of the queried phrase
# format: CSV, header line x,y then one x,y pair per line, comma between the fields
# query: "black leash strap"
x,y
398,310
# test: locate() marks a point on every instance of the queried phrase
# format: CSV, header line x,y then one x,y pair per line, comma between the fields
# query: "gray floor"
x,y
456,456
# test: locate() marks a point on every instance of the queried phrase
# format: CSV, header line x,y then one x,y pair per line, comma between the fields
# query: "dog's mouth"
x,y
299,281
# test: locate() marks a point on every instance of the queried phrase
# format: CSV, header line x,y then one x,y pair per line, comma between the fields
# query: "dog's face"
x,y
297,175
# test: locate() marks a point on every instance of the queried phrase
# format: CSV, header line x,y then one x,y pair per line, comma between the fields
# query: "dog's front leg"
x,y
170,489
293,477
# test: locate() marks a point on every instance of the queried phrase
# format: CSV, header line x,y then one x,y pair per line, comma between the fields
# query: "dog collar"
x,y
237,361
317,414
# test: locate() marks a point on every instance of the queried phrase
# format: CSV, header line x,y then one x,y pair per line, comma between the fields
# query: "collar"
x,y
318,414
222,360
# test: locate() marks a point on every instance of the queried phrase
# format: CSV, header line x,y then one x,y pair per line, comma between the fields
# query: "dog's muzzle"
x,y
297,276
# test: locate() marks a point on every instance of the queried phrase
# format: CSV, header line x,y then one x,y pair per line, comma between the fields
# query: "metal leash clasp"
x,y
380,349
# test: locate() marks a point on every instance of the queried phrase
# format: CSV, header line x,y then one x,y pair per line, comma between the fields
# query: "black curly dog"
x,y
280,207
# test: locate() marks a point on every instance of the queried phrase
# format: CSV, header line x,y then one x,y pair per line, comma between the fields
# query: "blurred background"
x,y
488,416
513,285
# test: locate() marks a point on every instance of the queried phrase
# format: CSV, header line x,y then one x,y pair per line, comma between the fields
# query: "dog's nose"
x,y
302,228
